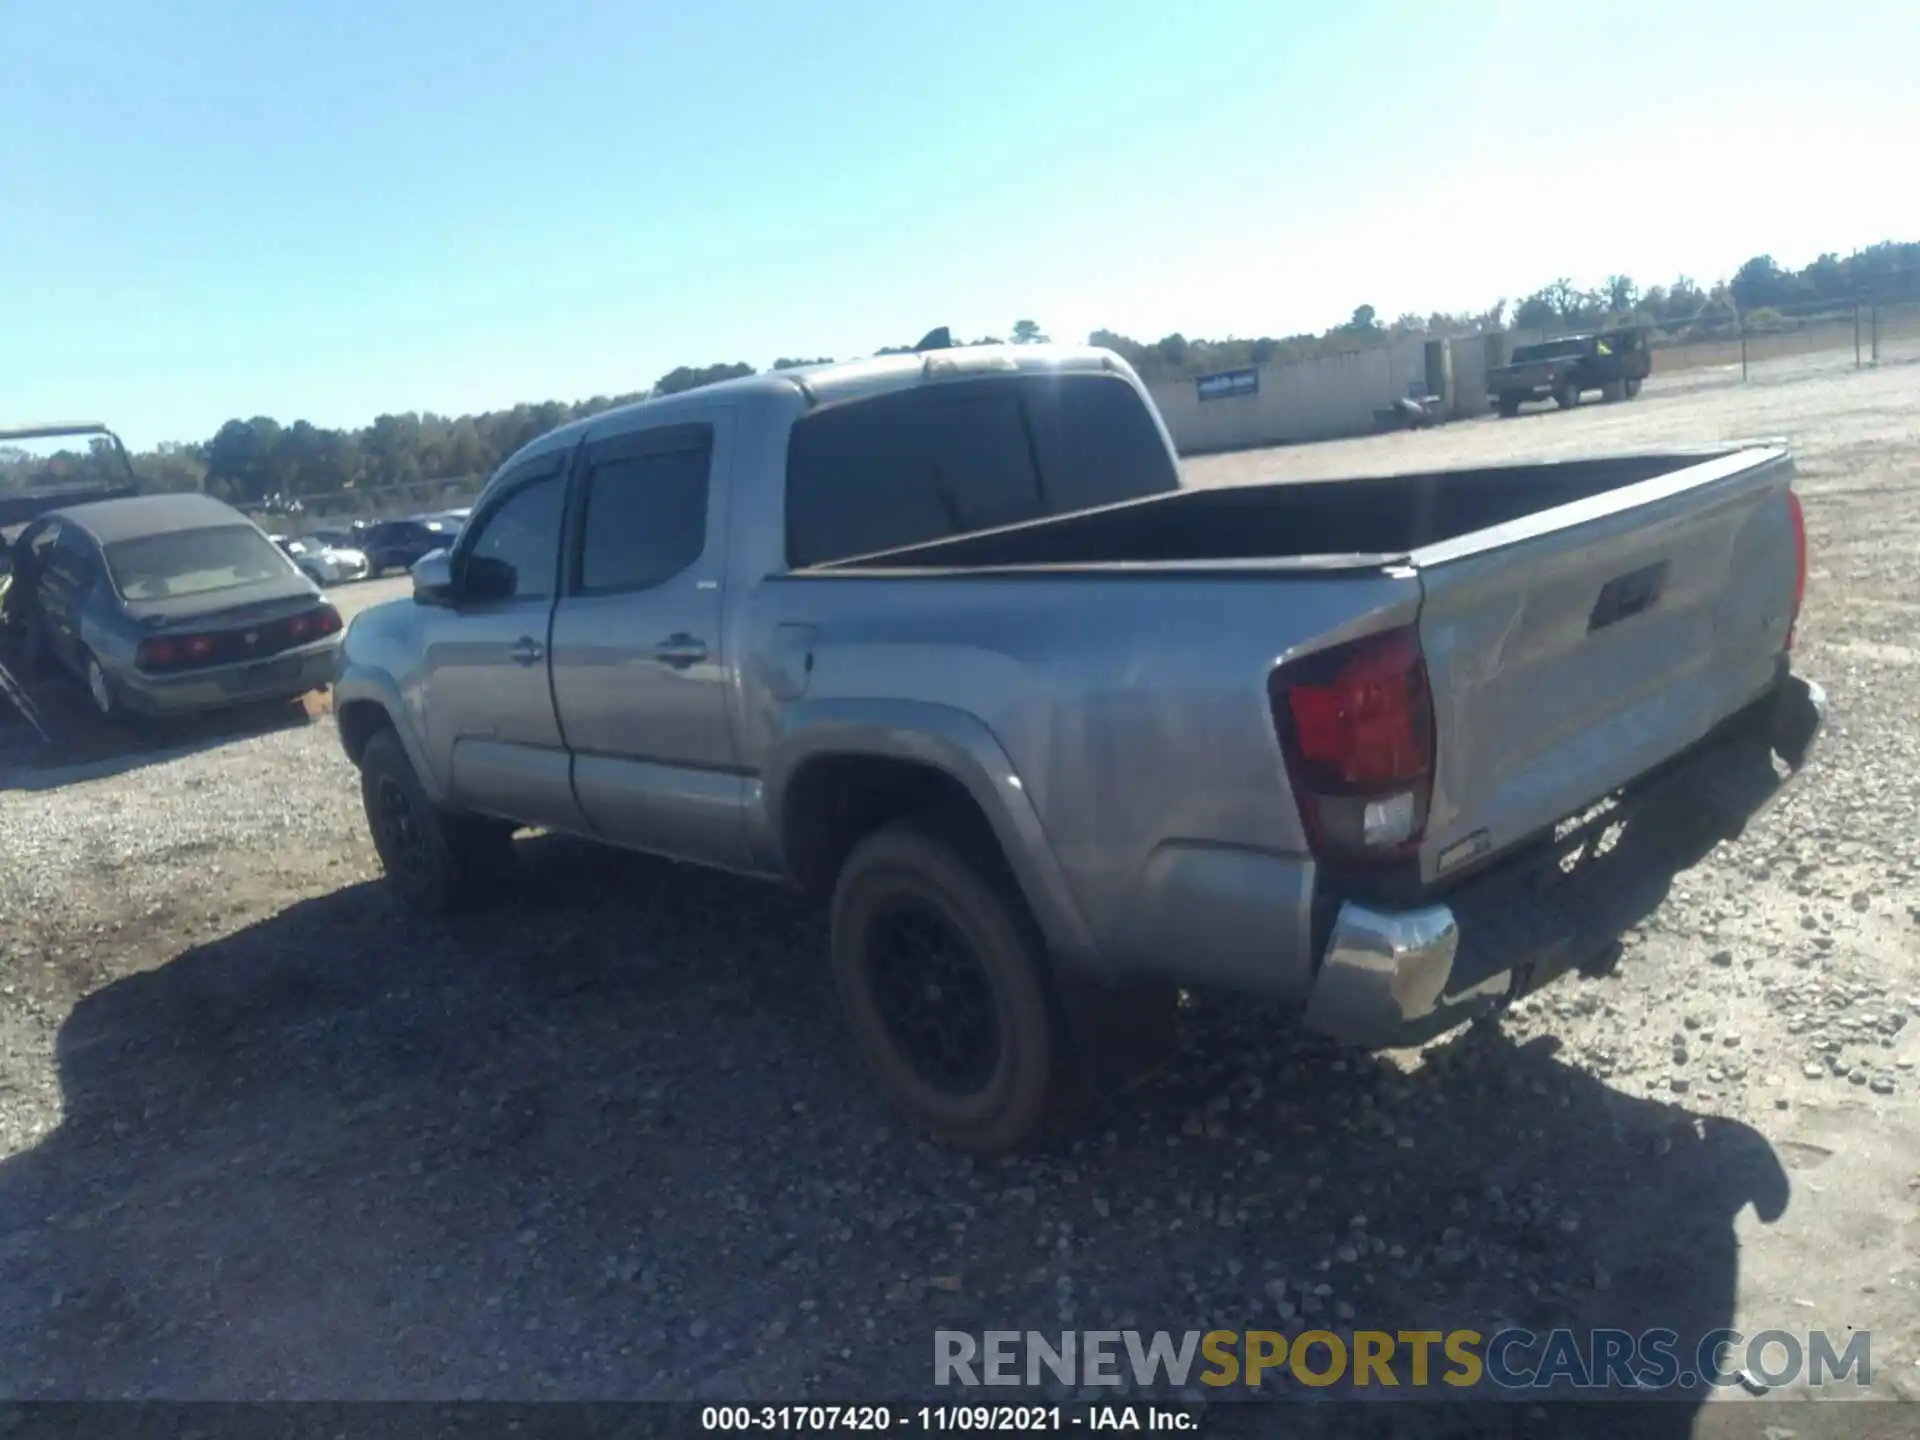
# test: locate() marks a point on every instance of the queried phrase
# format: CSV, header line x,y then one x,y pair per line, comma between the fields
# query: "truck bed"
x,y
1319,523
1580,621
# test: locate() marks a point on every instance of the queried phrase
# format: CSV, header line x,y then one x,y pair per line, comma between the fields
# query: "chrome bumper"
x,y
1392,978
1383,973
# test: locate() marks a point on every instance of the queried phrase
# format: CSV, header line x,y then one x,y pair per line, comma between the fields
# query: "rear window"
x,y
948,458
192,562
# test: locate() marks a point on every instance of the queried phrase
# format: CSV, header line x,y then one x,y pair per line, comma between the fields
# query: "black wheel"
x,y
1509,406
437,862
1614,391
939,970
1633,388
1567,397
313,575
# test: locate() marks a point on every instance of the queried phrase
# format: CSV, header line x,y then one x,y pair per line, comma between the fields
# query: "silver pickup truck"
x,y
942,639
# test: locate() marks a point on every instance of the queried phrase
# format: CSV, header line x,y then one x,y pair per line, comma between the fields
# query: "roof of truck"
x,y
840,380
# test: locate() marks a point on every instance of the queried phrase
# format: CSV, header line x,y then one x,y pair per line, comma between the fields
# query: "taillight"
x,y
325,620
155,654
1799,563
1356,727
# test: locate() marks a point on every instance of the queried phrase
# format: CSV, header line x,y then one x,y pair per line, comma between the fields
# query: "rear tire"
x,y
1509,406
941,975
437,863
1567,397
1614,391
100,690
1633,388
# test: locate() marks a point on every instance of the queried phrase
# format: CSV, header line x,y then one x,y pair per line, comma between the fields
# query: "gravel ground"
x,y
265,1137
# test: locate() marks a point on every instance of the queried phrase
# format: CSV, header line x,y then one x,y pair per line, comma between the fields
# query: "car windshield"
x,y
192,562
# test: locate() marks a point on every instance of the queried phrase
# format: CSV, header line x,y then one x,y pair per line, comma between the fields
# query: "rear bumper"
x,y
280,677
1399,977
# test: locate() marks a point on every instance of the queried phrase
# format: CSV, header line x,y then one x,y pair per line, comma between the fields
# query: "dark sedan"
x,y
397,544
164,604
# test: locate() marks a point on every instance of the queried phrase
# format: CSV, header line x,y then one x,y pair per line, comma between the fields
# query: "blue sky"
x,y
212,208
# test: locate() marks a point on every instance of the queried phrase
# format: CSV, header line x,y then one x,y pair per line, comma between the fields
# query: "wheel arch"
x,y
365,703
844,769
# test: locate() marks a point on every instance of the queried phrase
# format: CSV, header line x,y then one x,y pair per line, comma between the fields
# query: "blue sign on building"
x,y
1227,384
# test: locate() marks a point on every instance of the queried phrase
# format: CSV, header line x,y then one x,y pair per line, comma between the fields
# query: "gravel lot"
x,y
266,1137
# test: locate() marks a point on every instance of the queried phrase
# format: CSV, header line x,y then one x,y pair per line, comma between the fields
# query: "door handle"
x,y
680,651
527,650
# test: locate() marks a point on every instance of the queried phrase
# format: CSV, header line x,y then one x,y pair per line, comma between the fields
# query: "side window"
x,y
516,551
646,512
72,559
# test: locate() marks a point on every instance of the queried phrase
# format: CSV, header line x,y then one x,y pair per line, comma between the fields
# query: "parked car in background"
x,y
397,544
943,640
1614,362
164,604
324,563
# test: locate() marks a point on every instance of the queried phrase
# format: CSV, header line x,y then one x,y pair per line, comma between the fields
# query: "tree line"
x,y
259,462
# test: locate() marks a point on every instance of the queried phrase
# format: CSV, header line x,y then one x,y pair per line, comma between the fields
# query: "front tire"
x,y
1568,396
437,863
1633,388
1614,391
941,975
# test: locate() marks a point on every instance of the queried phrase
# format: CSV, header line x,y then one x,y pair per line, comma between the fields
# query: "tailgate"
x,y
1572,650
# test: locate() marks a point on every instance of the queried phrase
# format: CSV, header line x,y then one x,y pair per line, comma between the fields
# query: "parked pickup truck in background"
x,y
941,639
1564,370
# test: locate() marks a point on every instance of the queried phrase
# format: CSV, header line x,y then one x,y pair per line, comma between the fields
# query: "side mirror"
x,y
433,578
488,578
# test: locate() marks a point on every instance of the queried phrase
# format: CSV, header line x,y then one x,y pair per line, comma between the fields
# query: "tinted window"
x,y
520,542
1098,443
646,517
72,559
945,459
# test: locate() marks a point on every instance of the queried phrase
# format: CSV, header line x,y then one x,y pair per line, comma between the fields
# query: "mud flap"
x,y
1121,1034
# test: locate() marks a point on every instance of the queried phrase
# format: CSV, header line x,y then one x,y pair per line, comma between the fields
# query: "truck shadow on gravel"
x,y
606,1140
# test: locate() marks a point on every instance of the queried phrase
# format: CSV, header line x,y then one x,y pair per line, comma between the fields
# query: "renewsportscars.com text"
x,y
1409,1360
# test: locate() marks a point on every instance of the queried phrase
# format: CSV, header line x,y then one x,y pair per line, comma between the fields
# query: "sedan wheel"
x,y
99,689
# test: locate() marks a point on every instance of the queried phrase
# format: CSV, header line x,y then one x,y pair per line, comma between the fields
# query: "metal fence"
x,y
1859,333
